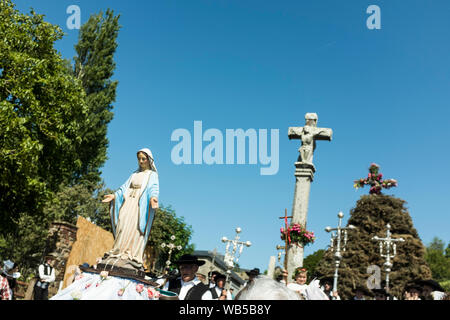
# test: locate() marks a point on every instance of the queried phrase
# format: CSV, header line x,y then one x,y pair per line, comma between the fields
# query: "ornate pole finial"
x,y
230,257
388,243
336,245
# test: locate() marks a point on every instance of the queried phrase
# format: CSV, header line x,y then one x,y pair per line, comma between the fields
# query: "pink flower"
x,y
150,293
88,285
139,287
121,292
78,277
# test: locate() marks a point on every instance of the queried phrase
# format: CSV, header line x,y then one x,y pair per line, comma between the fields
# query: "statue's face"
x,y
311,122
143,161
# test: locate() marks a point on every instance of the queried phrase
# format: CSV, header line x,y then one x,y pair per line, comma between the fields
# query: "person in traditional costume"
x,y
218,292
132,211
11,272
326,284
299,286
412,292
5,292
187,286
46,273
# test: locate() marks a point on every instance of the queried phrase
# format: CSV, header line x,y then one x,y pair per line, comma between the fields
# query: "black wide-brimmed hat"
x,y
220,276
254,272
328,280
431,283
189,259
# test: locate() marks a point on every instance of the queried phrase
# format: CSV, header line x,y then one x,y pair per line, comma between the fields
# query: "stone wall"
x,y
62,236
91,243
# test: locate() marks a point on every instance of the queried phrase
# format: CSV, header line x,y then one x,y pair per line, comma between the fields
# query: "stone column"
x,y
271,269
304,174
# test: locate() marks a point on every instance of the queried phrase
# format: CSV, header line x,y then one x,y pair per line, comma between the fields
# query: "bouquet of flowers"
x,y
298,235
375,180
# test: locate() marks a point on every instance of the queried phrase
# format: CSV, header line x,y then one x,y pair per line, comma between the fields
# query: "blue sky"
x,y
263,65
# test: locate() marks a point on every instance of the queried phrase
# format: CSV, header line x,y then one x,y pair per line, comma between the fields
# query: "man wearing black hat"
x,y
252,274
187,286
218,292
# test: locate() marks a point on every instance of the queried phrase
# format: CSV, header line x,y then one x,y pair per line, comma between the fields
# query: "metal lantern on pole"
x,y
236,250
339,235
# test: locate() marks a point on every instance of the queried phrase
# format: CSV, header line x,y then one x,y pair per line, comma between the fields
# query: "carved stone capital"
x,y
303,169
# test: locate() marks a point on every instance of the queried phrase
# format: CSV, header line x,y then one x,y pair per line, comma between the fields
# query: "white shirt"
x,y
43,277
208,295
185,287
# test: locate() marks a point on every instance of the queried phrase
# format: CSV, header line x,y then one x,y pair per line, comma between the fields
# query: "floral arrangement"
x,y
298,235
375,180
298,271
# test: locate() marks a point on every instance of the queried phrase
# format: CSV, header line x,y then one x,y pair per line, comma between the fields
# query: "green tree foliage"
x,y
165,225
311,261
94,67
370,216
81,195
78,200
437,260
42,107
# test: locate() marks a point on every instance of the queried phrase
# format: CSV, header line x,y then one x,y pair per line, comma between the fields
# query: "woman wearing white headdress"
x,y
132,210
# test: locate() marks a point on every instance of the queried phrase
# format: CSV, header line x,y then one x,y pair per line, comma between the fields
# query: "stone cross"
x,y
304,174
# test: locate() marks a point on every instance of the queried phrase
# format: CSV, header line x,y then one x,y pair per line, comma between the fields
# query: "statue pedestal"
x,y
304,174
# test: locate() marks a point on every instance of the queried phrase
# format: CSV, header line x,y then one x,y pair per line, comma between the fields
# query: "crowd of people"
x,y
190,285
186,283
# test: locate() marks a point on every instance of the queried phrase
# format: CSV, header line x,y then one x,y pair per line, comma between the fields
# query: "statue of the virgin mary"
x,y
132,210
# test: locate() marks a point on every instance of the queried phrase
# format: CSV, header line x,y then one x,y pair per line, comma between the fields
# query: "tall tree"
x,y
311,262
41,109
438,262
94,67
